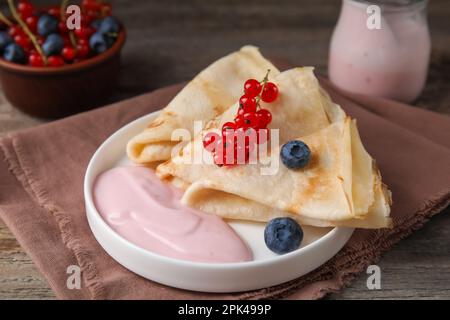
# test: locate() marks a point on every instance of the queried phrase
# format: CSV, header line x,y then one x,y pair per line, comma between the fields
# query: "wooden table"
x,y
169,41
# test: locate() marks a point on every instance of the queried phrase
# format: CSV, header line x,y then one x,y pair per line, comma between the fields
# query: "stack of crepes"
x,y
341,186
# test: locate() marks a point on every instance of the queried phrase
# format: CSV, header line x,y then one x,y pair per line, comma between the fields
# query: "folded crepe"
x,y
208,95
341,185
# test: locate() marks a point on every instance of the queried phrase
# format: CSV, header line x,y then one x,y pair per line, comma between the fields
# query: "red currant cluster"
x,y
249,129
40,37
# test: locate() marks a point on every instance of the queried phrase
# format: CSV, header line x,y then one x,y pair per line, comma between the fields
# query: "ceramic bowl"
x,y
59,91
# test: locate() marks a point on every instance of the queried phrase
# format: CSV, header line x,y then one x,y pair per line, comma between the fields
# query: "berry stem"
x,y
73,39
264,81
266,77
25,28
5,20
62,13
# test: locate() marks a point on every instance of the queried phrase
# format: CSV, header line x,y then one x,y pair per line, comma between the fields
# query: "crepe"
x,y
208,95
341,185
234,207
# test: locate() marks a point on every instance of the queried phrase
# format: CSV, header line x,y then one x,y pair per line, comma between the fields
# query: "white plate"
x,y
267,269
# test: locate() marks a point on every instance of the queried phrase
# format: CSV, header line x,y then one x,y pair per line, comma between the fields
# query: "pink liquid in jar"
x,y
390,62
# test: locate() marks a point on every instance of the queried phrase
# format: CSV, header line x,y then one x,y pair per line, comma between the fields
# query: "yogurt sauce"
x,y
147,212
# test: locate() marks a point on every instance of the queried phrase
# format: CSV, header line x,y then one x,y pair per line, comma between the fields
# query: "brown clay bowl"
x,y
59,91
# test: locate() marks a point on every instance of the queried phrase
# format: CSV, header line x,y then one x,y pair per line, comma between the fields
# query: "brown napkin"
x,y
41,199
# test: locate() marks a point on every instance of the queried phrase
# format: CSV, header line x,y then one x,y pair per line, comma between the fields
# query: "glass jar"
x,y
385,55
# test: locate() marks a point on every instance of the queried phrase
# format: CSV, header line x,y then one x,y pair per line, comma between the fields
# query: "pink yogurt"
x,y
390,62
147,212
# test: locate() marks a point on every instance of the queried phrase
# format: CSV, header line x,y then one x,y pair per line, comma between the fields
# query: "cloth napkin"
x,y
41,195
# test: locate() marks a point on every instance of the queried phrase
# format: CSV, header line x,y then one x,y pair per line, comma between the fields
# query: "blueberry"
x,y
14,53
47,24
53,45
96,24
100,42
5,39
295,154
283,235
109,25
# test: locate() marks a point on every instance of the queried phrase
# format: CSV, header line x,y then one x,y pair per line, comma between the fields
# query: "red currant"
x,y
218,159
68,53
55,61
86,20
218,153
25,9
228,137
225,154
31,22
239,120
227,126
240,112
83,41
40,40
106,9
84,32
15,30
90,31
54,11
246,145
270,92
66,40
35,60
90,5
244,135
23,41
82,50
252,88
88,17
250,120
247,103
62,27
210,140
245,120
264,117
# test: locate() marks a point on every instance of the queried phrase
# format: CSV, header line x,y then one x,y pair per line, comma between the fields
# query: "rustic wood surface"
x,y
169,41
